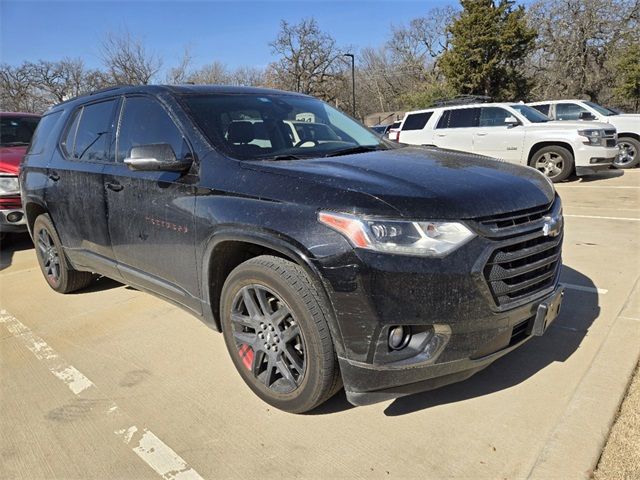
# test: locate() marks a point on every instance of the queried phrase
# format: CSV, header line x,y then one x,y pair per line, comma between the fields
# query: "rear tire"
x,y
629,155
554,161
275,326
55,267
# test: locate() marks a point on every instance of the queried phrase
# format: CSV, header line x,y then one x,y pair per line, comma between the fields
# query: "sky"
x,y
233,32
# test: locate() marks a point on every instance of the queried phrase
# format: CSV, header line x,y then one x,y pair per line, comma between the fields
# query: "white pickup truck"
x,y
516,133
627,125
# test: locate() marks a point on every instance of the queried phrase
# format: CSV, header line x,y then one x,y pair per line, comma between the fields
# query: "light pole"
x,y
353,81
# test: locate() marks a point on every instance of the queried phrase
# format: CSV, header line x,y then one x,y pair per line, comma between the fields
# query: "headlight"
x,y
9,185
426,238
593,136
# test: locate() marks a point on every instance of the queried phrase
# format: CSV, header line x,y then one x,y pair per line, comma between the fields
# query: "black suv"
x,y
325,255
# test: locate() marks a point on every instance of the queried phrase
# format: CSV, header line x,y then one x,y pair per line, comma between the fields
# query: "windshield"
x,y
602,110
531,114
17,131
252,126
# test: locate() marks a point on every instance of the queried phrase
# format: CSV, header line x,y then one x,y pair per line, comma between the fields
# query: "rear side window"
x,y
41,135
87,137
569,111
459,118
544,109
145,122
493,116
416,121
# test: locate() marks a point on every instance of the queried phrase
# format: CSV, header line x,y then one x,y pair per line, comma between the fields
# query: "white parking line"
x,y
153,451
598,186
604,218
581,288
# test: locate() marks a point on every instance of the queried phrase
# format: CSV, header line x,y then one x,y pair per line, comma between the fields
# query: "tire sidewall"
x,y
311,386
44,222
567,161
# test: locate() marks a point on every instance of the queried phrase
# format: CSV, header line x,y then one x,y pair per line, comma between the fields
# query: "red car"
x,y
16,130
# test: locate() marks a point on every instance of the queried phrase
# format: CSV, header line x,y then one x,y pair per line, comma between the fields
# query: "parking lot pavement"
x,y
114,383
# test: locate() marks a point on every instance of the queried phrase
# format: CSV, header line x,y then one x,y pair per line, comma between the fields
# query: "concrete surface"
x,y
114,383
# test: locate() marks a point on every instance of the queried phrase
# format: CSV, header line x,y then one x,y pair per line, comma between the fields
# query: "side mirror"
x,y
511,121
586,116
155,157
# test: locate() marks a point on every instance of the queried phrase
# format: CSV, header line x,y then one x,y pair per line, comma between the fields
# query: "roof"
x,y
177,90
466,105
557,101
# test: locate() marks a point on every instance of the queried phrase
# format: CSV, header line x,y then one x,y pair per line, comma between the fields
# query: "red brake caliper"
x,y
246,353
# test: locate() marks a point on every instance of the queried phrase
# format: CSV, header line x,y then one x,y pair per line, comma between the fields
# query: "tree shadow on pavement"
x,y
12,243
561,340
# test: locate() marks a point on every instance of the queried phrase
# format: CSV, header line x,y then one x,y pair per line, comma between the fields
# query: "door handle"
x,y
54,176
481,134
441,134
115,186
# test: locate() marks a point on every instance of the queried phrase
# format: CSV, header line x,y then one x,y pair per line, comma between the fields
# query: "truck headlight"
x,y
9,185
594,136
424,238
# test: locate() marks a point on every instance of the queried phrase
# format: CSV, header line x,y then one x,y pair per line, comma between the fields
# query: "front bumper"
x,y
8,225
595,168
590,159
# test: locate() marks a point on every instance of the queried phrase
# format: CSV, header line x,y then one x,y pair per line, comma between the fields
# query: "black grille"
x,y
611,142
523,269
514,219
610,132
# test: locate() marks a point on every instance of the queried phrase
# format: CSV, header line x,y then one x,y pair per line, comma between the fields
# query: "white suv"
x,y
627,125
516,133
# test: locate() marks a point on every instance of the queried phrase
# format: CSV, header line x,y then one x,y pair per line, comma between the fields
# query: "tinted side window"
x,y
92,135
416,121
69,137
493,116
43,131
444,119
145,122
569,111
544,109
464,118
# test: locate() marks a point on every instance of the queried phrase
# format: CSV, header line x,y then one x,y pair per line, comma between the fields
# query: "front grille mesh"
x,y
515,219
523,269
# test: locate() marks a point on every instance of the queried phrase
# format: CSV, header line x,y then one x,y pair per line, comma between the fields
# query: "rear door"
x,y
151,214
494,138
75,196
456,127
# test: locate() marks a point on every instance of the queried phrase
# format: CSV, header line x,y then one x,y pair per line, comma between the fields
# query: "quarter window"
x,y
569,111
145,122
416,121
493,116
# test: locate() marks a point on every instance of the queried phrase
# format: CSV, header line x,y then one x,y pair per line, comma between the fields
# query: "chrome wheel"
x,y
627,154
550,163
268,338
49,255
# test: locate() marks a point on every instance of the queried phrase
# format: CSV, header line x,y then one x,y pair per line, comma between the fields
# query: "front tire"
x,y
55,267
554,161
275,326
629,155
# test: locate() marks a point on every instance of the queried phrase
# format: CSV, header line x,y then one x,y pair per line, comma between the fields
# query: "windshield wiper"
x,y
356,149
287,156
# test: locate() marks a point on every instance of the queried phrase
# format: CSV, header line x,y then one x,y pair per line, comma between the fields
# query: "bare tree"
x,y
310,60
180,73
127,60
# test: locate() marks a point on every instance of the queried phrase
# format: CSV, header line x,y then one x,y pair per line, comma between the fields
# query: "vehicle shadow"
x,y
99,285
563,338
12,243
611,173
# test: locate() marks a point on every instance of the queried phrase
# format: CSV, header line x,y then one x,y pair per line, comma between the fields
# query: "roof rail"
x,y
107,89
461,100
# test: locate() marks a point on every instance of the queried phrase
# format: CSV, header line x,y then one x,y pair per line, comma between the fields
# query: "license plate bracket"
x,y
547,313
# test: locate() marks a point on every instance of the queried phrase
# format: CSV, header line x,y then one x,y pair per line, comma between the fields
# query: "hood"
x,y
626,121
578,124
419,182
10,158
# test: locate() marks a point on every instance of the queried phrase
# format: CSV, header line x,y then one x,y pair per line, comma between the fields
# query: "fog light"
x,y
14,217
399,337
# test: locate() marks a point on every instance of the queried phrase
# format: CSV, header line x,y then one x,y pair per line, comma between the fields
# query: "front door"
x,y
151,214
494,138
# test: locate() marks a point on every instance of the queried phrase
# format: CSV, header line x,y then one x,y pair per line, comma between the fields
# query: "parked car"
x,y
388,268
16,130
627,125
516,133
392,131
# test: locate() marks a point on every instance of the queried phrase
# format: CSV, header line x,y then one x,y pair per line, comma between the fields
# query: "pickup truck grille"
x,y
610,137
523,269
